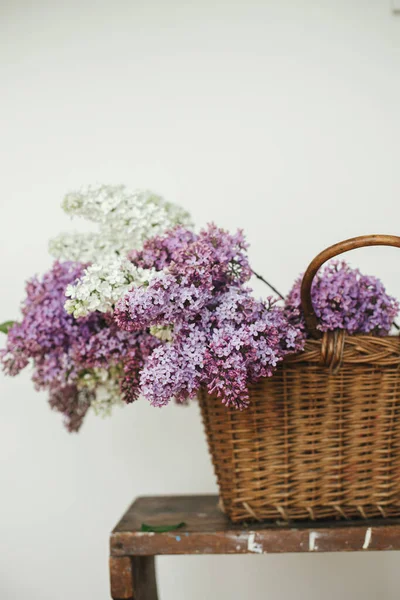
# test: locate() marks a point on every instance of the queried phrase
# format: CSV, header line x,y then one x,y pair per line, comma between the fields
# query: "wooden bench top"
x,y
208,531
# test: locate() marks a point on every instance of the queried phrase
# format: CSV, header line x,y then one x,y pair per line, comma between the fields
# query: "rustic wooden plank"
x,y
208,531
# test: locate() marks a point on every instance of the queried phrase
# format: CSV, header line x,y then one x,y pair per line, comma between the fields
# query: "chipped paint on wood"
x,y
367,539
252,545
312,538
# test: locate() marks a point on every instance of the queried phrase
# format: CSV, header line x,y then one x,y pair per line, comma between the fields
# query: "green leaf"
x,y
161,528
6,326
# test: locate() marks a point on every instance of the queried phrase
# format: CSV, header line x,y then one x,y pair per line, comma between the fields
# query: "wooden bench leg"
x,y
133,578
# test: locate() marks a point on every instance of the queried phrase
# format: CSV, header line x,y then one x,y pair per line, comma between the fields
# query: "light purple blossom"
x,y
231,342
343,298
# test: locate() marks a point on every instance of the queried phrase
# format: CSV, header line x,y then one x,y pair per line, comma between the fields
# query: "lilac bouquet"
x,y
145,306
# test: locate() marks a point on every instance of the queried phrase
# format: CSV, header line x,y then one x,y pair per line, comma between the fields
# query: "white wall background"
x,y
280,117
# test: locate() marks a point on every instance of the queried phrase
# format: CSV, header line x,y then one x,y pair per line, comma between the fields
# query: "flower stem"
x,y
261,278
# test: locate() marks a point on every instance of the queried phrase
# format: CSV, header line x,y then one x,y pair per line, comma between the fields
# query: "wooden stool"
x,y
208,531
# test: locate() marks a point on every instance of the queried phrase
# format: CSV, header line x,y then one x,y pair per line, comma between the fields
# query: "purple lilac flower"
x,y
162,302
159,251
230,343
111,347
343,298
63,348
201,268
133,362
174,369
212,253
72,403
45,328
222,338
103,348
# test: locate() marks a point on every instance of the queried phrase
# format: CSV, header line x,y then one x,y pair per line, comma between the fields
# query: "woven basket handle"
x,y
351,244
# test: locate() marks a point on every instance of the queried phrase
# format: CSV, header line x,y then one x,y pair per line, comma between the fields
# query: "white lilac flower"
x,y
105,384
125,220
94,203
102,285
79,247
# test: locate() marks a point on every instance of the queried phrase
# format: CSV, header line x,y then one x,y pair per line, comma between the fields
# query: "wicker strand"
x,y
332,349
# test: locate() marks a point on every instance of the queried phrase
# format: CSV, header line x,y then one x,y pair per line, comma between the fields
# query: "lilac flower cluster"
x,y
65,350
199,267
46,329
343,298
159,251
222,338
231,342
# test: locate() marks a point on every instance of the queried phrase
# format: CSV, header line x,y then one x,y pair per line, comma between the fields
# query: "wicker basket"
x,y
321,438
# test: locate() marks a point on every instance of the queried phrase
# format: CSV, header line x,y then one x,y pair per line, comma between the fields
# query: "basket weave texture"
x,y
313,444
321,438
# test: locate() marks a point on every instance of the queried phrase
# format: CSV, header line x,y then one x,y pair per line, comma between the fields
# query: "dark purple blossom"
x,y
158,252
72,403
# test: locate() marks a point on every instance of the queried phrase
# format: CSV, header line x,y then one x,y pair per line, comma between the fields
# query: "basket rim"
x,y
357,349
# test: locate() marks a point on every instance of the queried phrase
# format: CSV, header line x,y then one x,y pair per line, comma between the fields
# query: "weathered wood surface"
x,y
121,577
208,531
133,578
